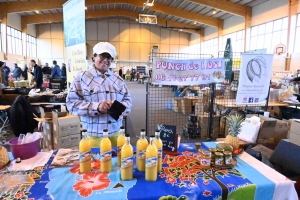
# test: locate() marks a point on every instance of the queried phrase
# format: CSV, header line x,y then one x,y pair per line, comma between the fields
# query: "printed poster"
x,y
255,76
74,37
188,72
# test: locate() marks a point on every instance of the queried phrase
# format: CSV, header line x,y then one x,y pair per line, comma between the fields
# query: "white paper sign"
x,y
254,80
188,72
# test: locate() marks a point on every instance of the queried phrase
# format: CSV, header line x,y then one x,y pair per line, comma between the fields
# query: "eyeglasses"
x,y
106,56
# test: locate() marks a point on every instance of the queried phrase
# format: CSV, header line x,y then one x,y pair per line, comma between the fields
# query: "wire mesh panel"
x,y
226,96
179,106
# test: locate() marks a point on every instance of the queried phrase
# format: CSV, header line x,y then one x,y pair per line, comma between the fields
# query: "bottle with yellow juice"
x,y
151,161
85,154
141,146
127,160
158,144
105,153
120,143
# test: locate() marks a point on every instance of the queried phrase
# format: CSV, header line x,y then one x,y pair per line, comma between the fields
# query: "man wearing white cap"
x,y
92,93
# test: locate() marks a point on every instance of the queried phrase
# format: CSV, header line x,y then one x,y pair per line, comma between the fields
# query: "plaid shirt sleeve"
x,y
76,103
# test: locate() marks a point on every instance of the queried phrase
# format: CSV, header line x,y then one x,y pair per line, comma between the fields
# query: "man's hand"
x,y
104,106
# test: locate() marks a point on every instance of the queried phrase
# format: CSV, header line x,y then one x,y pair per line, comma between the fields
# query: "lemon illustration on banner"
x,y
255,68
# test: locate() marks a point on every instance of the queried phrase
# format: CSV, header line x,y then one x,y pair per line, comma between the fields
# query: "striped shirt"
x,y
90,88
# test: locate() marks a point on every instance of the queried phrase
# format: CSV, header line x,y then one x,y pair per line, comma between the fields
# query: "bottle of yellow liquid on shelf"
x,y
85,153
105,153
158,144
120,143
151,161
141,146
127,160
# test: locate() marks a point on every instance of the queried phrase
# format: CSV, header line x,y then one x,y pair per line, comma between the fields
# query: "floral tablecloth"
x,y
182,178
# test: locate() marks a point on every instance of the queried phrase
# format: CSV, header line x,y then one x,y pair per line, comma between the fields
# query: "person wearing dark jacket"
x,y
63,74
17,72
37,74
55,73
21,116
46,69
24,73
6,73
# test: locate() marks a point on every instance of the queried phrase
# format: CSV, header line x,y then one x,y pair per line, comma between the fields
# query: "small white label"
x,y
218,160
228,160
205,162
142,154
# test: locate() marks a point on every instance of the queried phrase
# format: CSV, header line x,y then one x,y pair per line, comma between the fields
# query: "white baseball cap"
x,y
105,47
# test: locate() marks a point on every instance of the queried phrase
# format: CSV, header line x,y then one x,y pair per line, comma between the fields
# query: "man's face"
x,y
32,64
47,65
103,62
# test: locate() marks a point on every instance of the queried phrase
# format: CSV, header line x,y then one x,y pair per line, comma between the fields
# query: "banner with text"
x,y
255,76
188,72
74,36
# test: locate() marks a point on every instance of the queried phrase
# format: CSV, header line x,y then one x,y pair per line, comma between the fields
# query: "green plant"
x,y
235,124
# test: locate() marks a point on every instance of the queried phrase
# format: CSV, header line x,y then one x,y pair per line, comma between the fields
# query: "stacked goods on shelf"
x,y
186,105
203,123
176,105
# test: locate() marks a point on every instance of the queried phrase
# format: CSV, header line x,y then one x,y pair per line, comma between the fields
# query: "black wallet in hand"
x,y
116,110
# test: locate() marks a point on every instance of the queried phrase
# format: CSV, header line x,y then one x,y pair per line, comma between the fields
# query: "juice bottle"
x,y
158,144
85,153
141,146
105,153
151,161
127,160
120,143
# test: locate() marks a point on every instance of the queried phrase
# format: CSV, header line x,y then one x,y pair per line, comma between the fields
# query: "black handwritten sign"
x,y
169,138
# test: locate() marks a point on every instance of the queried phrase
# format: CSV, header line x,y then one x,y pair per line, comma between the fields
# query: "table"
x,y
181,178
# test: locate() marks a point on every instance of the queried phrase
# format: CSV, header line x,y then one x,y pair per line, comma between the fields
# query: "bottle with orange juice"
x,y
105,153
151,161
158,144
120,143
141,146
85,153
127,160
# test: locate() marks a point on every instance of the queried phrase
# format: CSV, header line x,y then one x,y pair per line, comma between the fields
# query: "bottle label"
x,y
151,161
119,150
142,154
218,160
159,151
85,156
205,162
105,156
228,160
127,162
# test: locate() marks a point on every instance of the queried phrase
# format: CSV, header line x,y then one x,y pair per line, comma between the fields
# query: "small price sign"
x,y
169,138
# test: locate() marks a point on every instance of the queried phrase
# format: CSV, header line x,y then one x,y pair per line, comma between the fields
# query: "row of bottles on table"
x,y
148,156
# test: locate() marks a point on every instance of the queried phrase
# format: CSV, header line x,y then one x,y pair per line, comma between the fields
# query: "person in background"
x,y
6,73
92,93
138,76
2,77
63,73
17,72
46,69
132,74
56,70
25,73
37,74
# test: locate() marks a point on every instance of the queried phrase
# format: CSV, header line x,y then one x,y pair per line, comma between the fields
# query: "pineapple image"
x,y
235,126
4,158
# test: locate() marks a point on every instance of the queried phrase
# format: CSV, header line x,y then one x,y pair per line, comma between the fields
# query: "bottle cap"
x,y
157,132
143,130
127,135
83,130
105,130
152,137
122,127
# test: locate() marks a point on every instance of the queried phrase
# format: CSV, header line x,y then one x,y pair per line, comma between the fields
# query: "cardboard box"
x,y
295,133
267,128
186,105
281,131
65,125
176,103
66,142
